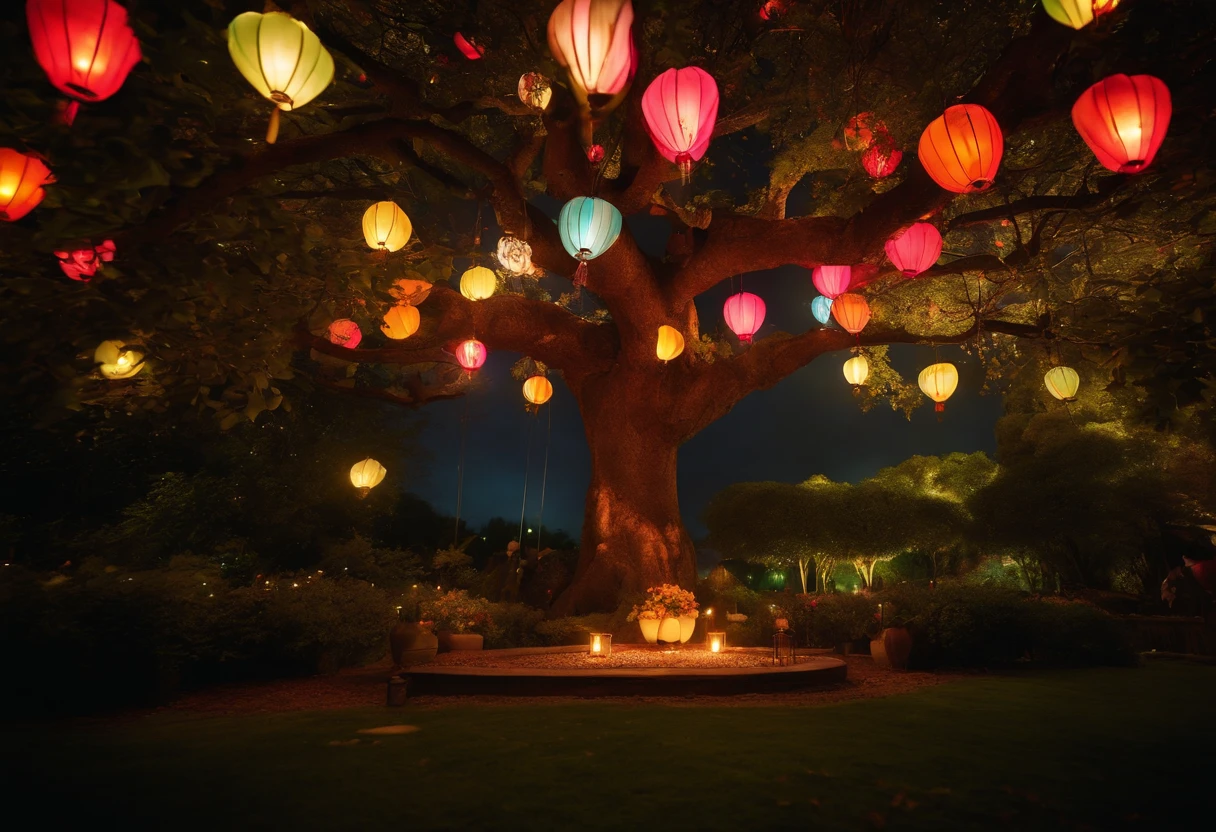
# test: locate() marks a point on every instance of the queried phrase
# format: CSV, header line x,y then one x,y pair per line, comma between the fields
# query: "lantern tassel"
x,y
684,161
580,274
272,132
67,112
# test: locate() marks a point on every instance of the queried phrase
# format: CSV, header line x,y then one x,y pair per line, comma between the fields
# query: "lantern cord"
x,y
272,132
544,478
524,506
464,436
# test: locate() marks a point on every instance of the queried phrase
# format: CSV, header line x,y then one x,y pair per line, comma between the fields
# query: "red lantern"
x,y
772,9
680,107
22,176
1123,120
471,354
881,161
85,47
861,130
83,263
468,47
345,333
744,314
962,148
595,154
852,312
832,281
915,249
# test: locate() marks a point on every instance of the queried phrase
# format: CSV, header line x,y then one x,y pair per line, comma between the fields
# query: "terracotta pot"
x,y
892,648
688,624
411,644
669,630
650,629
466,641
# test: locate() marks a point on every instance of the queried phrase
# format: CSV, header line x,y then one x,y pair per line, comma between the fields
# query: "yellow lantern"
x,y
478,283
938,382
281,58
535,90
856,370
1062,382
401,322
1078,13
117,362
386,227
366,475
671,343
538,390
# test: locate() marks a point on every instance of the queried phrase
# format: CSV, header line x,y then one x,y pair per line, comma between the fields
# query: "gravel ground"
x,y
623,657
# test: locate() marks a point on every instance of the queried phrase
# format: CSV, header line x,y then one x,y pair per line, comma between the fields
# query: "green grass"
x,y
1096,749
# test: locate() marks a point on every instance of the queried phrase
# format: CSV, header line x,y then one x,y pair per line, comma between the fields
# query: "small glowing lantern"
x,y
1123,119
821,308
22,176
852,312
1062,382
856,370
535,90
681,107
471,354
83,263
386,227
881,161
915,249
515,255
670,344
832,281
468,47
345,333
592,41
85,47
744,314
601,645
1078,13
366,475
538,390
961,149
478,283
716,642
401,322
783,647
588,227
595,154
938,382
116,361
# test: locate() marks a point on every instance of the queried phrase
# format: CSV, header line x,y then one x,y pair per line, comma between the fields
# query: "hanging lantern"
x,y
471,354
832,281
538,390
85,47
681,107
915,248
1062,382
22,176
366,475
1123,119
410,292
535,90
592,41
116,361
345,333
1078,13
595,154
83,263
961,149
281,58
670,344
478,283
515,255
468,47
386,227
938,382
852,312
859,131
588,227
821,308
856,371
401,322
744,314
881,161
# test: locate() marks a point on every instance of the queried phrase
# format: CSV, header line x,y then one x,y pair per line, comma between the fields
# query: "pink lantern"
x,y
680,107
915,249
744,314
595,153
832,281
592,40
345,333
83,263
471,354
468,47
880,161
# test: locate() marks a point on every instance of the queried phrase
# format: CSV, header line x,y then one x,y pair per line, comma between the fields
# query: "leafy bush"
x,y
458,612
832,620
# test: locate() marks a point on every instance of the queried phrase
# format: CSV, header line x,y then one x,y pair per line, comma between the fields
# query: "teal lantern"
x,y
588,227
821,308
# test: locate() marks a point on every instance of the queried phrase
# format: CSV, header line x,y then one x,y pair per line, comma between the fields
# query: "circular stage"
x,y
630,671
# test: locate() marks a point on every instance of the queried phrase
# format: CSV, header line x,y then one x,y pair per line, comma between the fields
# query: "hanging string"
x,y
540,520
464,436
523,508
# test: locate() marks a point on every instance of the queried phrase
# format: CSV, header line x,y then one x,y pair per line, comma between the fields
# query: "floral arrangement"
x,y
458,612
665,601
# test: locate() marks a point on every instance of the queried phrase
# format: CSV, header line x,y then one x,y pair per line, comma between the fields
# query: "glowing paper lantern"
x,y
116,361
478,283
515,255
832,281
22,176
468,47
856,370
595,154
681,107
471,354
915,249
938,382
538,390
852,312
535,90
386,227
744,314
592,40
401,322
83,263
281,58
670,344
366,475
881,161
1078,13
588,227
1062,382
1123,119
821,308
961,149
345,333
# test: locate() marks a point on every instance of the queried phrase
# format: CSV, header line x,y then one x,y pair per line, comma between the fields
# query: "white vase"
x,y
687,625
650,629
669,630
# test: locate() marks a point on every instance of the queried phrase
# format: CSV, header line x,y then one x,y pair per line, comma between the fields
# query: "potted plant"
x,y
669,614
890,642
460,620
411,641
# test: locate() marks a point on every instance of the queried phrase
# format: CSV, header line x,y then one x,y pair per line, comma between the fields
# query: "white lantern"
x,y
366,475
1062,382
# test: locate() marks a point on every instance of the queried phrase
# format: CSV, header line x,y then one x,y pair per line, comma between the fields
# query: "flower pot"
x,y
411,644
650,629
466,641
688,624
669,630
892,648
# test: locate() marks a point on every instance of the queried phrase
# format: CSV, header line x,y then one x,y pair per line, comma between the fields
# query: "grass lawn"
x,y
1096,749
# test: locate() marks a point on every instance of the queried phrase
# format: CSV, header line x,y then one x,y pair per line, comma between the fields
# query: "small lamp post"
x,y
783,644
601,645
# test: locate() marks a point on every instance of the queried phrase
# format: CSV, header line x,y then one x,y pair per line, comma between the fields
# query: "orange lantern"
x,y
22,176
401,322
538,390
670,344
851,311
962,148
345,333
1123,119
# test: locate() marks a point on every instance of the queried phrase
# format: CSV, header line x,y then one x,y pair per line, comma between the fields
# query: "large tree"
x,y
234,255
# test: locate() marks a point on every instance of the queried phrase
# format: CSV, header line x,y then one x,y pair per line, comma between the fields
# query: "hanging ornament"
x,y
852,312
938,382
281,58
22,176
832,281
681,107
881,162
595,154
345,333
401,322
592,41
821,308
515,255
116,361
366,475
1062,382
537,390
410,292
744,314
471,354
962,148
1078,13
1123,119
860,130
386,227
468,47
478,283
535,90
670,343
915,248
588,227
856,371
85,47
83,263
772,9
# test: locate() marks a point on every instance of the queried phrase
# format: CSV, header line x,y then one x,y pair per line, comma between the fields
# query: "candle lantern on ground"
x,y
601,644
717,642
783,648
